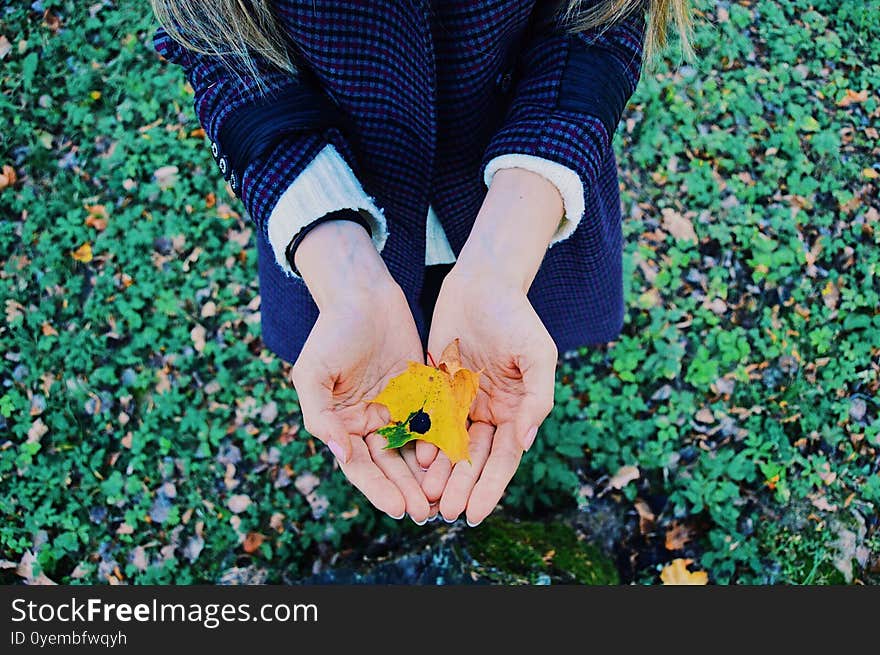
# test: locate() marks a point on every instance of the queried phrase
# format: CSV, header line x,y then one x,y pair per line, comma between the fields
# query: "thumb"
x,y
539,378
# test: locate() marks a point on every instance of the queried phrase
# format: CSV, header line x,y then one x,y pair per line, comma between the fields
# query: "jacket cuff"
x,y
326,185
573,141
566,180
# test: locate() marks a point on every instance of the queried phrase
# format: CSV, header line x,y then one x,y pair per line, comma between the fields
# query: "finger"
x,y
364,474
315,399
376,416
499,469
539,379
395,469
425,453
408,452
436,477
465,474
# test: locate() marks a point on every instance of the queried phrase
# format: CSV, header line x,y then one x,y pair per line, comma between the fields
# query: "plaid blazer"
x,y
418,96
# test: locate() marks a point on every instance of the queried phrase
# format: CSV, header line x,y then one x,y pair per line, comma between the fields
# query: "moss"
x,y
521,552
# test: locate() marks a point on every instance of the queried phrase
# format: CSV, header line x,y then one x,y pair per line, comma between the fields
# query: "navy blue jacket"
x,y
418,96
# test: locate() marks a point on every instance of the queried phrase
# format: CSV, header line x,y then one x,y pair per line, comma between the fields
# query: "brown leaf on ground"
x,y
36,431
676,573
25,569
198,338
253,541
678,536
646,516
853,97
276,522
166,176
7,176
238,503
624,475
830,295
97,217
678,225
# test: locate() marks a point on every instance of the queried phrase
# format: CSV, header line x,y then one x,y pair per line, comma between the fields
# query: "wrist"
x,y
512,230
340,265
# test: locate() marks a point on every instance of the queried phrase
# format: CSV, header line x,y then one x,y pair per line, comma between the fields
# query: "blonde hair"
x,y
244,28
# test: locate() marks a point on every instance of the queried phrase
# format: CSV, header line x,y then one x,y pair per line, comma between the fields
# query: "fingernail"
x,y
433,518
418,523
337,450
472,525
530,437
446,520
424,470
397,518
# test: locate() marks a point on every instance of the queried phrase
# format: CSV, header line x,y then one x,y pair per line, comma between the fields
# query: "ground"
x,y
147,435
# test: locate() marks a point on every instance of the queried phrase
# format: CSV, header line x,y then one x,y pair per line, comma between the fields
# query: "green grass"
x,y
744,387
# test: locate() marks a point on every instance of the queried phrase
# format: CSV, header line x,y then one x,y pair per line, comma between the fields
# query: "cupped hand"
x,y
501,336
364,335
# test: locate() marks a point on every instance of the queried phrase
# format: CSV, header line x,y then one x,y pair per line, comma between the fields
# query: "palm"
x,y
356,373
346,361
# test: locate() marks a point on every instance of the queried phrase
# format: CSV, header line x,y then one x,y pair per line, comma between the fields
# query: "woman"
x,y
419,171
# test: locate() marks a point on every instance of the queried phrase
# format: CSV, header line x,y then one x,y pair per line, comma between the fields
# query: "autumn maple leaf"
x,y
432,404
677,573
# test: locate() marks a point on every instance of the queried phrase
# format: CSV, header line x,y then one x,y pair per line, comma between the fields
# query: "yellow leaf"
x,y
431,404
83,253
677,573
870,174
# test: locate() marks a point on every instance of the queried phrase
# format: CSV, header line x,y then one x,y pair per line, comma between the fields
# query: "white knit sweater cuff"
x,y
562,177
326,185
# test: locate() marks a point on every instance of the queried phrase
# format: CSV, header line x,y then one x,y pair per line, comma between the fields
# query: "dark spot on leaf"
x,y
420,423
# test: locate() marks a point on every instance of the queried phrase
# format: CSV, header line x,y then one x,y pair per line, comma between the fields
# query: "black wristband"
x,y
352,215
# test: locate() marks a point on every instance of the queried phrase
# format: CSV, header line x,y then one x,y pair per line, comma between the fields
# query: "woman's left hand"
x,y
502,337
483,301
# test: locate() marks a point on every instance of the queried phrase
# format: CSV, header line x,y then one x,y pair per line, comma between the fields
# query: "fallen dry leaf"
x,y
36,431
83,253
209,309
677,573
646,516
830,295
197,334
677,536
431,404
705,415
97,217
166,176
25,569
238,503
253,541
7,176
678,225
276,522
624,475
853,97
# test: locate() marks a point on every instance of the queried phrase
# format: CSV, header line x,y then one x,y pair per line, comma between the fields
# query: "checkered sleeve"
x,y
263,132
569,96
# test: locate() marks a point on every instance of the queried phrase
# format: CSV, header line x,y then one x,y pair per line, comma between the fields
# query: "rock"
x,y
529,551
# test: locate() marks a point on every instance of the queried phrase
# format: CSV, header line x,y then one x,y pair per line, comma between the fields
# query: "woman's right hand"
x,y
364,335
